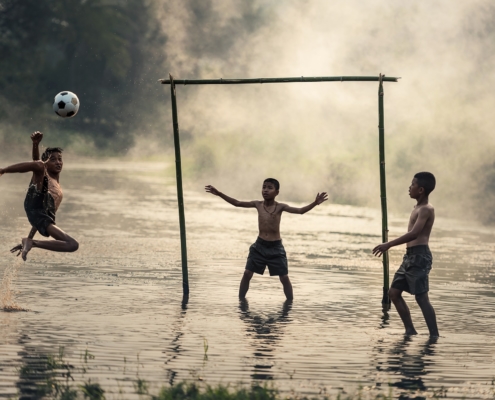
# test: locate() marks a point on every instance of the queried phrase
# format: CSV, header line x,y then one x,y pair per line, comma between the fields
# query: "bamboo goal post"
x,y
381,150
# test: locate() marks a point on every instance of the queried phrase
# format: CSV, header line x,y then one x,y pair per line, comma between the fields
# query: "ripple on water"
x,y
119,298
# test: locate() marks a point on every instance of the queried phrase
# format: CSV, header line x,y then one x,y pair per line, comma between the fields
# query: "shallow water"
x,y
119,296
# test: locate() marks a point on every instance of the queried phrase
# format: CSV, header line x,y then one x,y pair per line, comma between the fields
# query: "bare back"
x,y
424,212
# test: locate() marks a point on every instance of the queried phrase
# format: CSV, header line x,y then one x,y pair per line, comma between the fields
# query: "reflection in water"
x,y
119,296
265,333
385,317
41,374
410,364
173,351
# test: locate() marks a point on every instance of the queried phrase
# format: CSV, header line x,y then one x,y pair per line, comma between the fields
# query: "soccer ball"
x,y
66,104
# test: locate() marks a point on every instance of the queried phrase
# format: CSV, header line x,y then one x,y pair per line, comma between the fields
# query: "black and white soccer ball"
x,y
66,104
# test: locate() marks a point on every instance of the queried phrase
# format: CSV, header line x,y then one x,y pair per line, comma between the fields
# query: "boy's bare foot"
x,y
27,245
17,249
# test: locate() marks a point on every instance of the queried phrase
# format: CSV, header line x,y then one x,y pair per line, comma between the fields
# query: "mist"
x,y
324,136
317,137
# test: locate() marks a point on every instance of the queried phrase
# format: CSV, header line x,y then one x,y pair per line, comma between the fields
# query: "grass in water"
x,y
52,377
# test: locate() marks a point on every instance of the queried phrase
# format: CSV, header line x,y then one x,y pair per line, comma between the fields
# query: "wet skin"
x,y
419,229
269,216
53,167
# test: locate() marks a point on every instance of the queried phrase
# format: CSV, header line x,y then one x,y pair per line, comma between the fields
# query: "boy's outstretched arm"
x,y
320,198
234,202
38,167
424,214
36,137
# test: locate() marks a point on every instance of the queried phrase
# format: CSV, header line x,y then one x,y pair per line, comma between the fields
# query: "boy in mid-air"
x,y
43,199
412,276
268,248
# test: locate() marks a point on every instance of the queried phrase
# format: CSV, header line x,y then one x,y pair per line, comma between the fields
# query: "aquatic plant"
x,y
52,377
191,391
92,391
205,348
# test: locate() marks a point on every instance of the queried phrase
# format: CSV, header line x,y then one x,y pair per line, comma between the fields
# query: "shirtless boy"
x,y
412,276
43,199
268,248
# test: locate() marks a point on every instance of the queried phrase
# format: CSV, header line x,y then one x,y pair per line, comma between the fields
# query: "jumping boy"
x,y
43,199
412,275
268,248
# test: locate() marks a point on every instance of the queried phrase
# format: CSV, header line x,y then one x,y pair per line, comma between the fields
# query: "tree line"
x,y
104,51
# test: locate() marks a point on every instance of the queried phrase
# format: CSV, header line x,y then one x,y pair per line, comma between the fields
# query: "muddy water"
x,y
119,296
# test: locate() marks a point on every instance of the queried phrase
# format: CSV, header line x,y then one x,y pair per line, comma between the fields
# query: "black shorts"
x,y
40,209
412,275
265,253
40,220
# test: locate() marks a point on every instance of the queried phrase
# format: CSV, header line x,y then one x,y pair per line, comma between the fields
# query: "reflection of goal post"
x,y
381,140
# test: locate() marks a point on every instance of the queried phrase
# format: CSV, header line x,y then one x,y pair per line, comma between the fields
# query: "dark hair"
x,y
48,152
274,181
426,180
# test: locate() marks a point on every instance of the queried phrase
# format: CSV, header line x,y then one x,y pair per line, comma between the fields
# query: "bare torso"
x,y
269,220
424,235
55,190
54,187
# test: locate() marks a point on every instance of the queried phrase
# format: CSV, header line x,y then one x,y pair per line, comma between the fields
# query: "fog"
x,y
317,137
323,136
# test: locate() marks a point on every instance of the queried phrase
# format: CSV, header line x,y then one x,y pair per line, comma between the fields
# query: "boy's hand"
x,y
36,137
380,249
2,171
212,190
320,198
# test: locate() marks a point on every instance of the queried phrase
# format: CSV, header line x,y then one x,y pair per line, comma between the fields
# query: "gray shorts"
x,y
412,275
265,253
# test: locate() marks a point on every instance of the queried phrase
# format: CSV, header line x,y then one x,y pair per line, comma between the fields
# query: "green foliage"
x,y
191,391
205,348
141,386
51,377
99,49
92,391
486,211
50,374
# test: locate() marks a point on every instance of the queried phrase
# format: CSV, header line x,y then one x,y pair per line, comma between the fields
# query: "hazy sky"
x,y
324,136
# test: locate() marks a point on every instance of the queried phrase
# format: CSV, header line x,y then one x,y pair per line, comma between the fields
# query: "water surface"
x,y
119,297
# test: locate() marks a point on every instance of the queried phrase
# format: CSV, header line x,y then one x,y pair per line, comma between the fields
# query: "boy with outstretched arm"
x,y
268,249
412,276
36,138
43,199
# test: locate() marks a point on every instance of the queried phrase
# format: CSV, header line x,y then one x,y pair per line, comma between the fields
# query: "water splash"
x,y
7,288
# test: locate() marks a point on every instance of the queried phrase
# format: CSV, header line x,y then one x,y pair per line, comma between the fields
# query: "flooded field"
x,y
114,307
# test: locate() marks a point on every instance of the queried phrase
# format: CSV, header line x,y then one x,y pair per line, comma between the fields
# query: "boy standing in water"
x,y
268,248
43,199
412,276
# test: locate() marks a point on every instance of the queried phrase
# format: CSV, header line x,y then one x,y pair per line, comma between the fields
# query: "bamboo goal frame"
x,y
381,150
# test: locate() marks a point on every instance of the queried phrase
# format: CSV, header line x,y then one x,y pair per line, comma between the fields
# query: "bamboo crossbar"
x,y
381,146
278,80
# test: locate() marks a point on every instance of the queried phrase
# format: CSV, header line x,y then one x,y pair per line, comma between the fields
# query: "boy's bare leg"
x,y
403,310
287,287
428,312
62,243
244,287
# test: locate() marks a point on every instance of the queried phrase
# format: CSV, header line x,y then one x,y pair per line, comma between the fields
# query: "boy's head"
x,y
270,188
423,183
48,151
52,157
